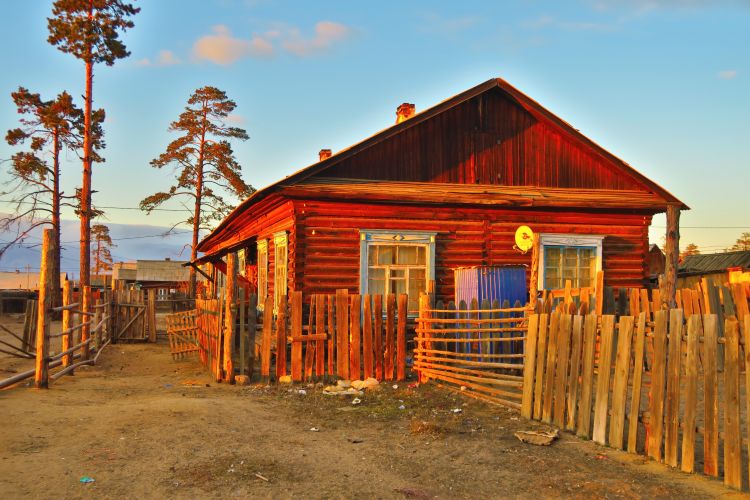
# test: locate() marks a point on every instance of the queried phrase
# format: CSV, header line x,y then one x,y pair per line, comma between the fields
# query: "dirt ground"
x,y
144,426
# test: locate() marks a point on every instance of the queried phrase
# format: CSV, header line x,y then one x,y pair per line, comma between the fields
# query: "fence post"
x,y
67,298
229,309
403,306
41,376
151,321
97,326
86,329
424,314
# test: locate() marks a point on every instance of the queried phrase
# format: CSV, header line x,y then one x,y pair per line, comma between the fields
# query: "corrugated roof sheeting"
x,y
715,262
161,270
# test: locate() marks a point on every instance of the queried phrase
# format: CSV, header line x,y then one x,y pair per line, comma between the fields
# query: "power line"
x,y
108,207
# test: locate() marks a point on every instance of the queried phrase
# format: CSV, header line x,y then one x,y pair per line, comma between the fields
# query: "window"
x,y
397,262
571,257
262,272
280,265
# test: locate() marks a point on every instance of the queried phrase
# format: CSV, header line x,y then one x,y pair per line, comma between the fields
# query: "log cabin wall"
x,y
328,244
489,139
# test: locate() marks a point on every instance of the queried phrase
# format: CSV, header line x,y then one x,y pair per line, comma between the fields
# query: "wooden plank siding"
x,y
328,253
489,139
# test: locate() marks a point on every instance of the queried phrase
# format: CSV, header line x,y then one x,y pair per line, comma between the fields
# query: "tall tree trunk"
x,y
196,220
198,199
56,292
85,202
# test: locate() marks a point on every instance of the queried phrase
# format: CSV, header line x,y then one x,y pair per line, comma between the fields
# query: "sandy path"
x,y
134,425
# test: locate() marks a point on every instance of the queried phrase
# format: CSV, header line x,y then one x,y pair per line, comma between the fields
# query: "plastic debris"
x,y
286,379
86,480
314,429
395,386
456,410
302,392
402,407
537,437
356,401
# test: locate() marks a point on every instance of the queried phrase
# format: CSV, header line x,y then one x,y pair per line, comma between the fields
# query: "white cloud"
x,y
235,118
222,48
728,74
327,33
165,58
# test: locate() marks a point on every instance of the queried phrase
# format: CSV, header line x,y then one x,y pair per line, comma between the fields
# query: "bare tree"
x,y
204,163
89,29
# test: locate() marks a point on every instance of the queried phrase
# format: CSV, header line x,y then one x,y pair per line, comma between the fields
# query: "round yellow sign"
x,y
524,238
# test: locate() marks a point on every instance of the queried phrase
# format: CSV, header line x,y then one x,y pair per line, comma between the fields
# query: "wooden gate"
x,y
135,315
475,349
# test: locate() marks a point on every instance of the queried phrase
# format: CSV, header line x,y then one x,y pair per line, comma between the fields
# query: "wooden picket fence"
x,y
342,336
587,374
477,349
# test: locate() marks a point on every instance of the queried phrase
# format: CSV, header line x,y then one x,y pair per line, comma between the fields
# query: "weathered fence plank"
x,y
687,462
732,432
710,397
656,394
635,401
529,366
620,384
672,410
587,376
603,379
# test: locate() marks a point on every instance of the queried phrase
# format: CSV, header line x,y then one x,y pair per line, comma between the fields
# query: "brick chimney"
x,y
404,112
325,154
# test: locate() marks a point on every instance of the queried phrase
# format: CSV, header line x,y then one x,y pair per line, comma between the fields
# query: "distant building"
x,y
17,287
725,267
166,276
656,260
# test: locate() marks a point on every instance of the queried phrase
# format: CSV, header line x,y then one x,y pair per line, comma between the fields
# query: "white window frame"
x,y
370,237
280,283
262,251
568,240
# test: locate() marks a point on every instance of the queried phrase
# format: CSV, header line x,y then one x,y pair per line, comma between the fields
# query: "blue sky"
x,y
663,84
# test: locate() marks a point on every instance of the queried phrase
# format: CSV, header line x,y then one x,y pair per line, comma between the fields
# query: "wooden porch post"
x,y
672,251
229,317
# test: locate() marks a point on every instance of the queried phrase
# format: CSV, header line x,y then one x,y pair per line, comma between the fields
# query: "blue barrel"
x,y
491,283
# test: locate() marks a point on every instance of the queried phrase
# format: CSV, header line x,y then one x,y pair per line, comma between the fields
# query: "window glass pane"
x,y
385,255
422,255
407,255
398,285
372,255
376,281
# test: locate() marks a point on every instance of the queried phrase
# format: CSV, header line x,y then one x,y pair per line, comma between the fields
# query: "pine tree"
x,y
48,127
205,165
742,243
89,30
690,249
101,253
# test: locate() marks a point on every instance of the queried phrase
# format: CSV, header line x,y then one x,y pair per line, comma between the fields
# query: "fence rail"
x,y
78,337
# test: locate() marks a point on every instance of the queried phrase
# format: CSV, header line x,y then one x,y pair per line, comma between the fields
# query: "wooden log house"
x,y
446,188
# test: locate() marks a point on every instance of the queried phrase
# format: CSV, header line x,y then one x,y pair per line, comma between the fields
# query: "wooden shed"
x,y
443,189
